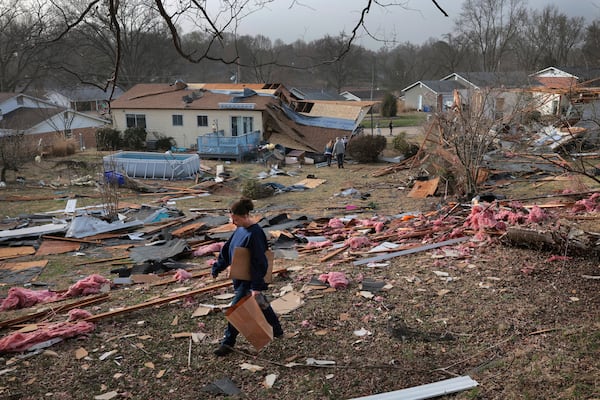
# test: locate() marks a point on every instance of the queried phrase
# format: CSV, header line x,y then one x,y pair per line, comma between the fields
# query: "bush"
x,y
254,190
404,147
366,148
134,139
389,107
108,139
63,147
163,142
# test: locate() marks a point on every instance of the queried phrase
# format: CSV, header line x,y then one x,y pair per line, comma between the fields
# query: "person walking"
x,y
328,152
391,127
338,151
250,235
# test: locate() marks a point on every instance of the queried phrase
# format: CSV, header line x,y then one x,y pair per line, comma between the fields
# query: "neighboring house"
x,y
430,96
561,88
87,99
43,122
364,94
316,94
186,111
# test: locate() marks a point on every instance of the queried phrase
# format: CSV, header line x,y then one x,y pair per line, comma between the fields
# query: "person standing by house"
x,y
250,235
391,127
328,152
338,151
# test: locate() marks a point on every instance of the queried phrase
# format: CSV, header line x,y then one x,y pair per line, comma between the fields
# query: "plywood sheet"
x,y
422,189
12,252
311,182
51,246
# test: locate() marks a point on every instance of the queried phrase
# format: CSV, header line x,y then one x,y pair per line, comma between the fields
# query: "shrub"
x,y
389,107
134,139
63,147
254,190
108,139
403,146
366,148
163,142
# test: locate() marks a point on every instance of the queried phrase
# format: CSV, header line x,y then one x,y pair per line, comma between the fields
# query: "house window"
x,y
177,120
241,125
136,120
202,120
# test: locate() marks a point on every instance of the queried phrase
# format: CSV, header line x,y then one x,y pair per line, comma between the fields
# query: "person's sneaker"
x,y
278,335
223,350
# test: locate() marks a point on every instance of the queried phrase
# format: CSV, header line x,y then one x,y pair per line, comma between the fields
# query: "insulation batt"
x,y
318,245
18,341
336,280
590,204
182,275
208,249
357,242
335,223
18,297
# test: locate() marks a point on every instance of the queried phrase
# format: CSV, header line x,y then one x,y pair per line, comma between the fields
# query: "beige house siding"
x,y
161,122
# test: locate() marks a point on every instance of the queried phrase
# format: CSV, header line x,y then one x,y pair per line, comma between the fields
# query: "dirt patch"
x,y
520,322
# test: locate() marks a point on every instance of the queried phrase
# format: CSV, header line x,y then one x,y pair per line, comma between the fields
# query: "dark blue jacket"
x,y
255,240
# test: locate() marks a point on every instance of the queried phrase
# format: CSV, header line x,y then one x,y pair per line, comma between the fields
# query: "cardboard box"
x,y
249,320
240,265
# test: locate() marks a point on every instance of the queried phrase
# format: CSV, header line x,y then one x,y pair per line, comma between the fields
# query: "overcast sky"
x,y
416,22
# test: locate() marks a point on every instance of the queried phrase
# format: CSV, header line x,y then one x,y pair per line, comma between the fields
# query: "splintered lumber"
x,y
411,251
158,301
103,260
187,230
333,253
53,311
392,168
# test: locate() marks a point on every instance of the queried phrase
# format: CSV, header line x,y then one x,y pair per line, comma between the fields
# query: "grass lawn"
x,y
405,119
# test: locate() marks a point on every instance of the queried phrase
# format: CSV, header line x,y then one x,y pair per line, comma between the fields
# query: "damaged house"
x,y
226,120
43,122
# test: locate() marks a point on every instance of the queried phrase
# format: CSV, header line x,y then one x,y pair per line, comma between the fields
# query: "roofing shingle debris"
x,y
336,241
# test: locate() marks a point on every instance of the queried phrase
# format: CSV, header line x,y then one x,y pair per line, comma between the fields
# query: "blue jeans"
x,y
231,333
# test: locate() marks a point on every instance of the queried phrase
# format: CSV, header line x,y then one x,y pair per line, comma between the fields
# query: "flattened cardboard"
x,y
240,265
249,320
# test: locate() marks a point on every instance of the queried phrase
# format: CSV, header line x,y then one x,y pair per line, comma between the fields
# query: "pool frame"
x,y
152,165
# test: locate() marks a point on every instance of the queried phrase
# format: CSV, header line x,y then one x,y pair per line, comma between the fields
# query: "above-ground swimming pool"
x,y
137,164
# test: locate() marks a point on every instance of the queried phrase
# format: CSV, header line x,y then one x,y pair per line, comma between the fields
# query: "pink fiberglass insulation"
x,y
182,275
18,341
208,249
536,215
90,285
318,245
18,297
482,218
335,223
77,313
336,280
590,204
356,242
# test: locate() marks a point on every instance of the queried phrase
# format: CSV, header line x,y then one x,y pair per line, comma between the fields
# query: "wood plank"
x,y
13,252
52,246
20,266
422,189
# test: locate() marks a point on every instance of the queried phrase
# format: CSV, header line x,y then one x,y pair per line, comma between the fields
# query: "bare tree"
x,y
470,130
591,46
24,55
216,19
490,27
15,151
548,37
